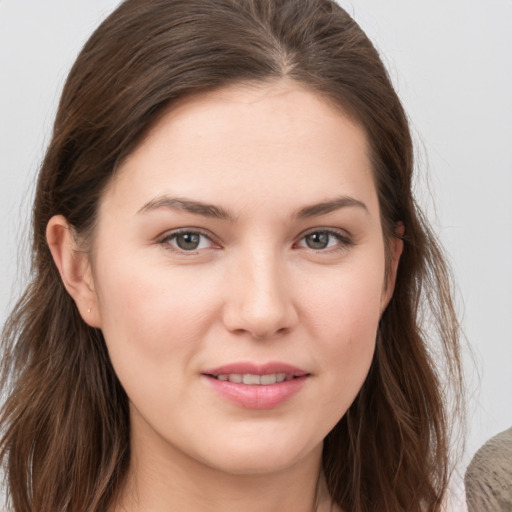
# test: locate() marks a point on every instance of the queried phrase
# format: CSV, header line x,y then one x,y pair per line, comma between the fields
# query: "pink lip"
x,y
257,396
256,369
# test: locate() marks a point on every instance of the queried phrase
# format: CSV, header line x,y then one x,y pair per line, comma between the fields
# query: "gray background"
x,y
451,61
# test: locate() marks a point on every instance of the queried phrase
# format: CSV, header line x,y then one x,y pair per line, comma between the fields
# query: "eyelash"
x,y
343,240
166,240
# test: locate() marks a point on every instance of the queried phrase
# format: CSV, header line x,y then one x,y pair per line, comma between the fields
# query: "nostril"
x,y
271,333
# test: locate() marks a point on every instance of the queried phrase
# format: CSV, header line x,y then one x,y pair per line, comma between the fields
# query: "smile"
x,y
254,380
257,386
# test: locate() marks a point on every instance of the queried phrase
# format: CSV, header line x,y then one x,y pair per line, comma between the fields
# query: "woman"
x,y
229,276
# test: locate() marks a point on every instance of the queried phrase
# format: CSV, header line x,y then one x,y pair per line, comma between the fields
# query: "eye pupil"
x,y
188,241
318,240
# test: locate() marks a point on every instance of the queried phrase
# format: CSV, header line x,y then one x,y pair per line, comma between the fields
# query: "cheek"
x,y
154,322
343,315
153,313
350,344
346,301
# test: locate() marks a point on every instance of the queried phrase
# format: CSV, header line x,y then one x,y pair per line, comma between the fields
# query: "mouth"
x,y
256,375
257,386
252,379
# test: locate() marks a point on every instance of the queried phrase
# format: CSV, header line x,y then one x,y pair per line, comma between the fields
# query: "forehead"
x,y
249,145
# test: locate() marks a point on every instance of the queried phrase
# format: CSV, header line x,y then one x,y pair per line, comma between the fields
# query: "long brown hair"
x,y
65,423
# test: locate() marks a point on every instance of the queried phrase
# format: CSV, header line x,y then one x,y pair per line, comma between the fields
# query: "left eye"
x,y
188,241
319,240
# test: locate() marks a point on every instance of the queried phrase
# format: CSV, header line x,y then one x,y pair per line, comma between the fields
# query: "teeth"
x,y
269,379
251,379
255,380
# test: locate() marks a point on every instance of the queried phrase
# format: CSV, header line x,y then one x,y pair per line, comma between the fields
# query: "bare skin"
x,y
244,230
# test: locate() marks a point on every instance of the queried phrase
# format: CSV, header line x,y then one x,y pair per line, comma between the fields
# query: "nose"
x,y
259,298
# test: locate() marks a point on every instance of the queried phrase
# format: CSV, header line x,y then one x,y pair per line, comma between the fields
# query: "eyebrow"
x,y
190,206
217,212
331,205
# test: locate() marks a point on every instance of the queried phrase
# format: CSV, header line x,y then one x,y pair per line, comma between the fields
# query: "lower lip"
x,y
258,396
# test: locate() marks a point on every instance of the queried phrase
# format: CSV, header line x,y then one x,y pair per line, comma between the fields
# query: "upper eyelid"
x,y
343,241
342,233
339,232
178,231
167,236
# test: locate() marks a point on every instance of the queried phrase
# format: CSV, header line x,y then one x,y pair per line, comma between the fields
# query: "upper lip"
x,y
256,369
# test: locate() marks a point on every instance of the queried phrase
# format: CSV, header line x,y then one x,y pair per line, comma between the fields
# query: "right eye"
x,y
187,241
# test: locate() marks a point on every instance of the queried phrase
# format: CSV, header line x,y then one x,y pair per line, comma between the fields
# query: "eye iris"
x,y
188,241
318,240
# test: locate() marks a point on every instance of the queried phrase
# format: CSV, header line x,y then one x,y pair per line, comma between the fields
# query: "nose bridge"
x,y
259,300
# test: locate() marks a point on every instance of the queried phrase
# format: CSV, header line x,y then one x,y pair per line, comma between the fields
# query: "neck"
x,y
169,480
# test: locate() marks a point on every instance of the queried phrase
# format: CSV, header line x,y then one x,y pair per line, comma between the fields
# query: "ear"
x,y
74,268
396,246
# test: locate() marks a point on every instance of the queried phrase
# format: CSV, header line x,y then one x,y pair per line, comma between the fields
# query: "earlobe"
x,y
74,268
396,249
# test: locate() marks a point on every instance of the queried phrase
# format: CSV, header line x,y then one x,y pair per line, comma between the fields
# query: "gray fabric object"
x,y
488,478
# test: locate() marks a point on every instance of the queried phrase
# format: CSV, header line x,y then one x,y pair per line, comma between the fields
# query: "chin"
x,y
256,457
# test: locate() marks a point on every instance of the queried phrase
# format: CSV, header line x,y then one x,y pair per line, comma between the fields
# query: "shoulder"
x,y
488,479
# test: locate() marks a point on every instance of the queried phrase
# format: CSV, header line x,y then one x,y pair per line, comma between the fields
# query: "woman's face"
x,y
238,246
